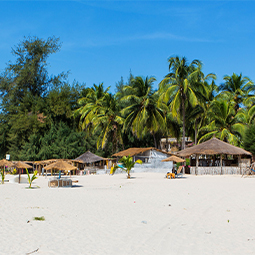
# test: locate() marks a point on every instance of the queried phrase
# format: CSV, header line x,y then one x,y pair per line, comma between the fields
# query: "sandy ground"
x,y
147,214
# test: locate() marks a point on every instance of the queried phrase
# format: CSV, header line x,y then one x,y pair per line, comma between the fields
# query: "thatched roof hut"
x,y
88,157
232,160
213,146
135,151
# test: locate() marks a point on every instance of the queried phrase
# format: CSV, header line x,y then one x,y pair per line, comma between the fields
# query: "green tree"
x,y
108,122
249,139
100,115
179,87
89,105
236,88
224,124
144,113
23,88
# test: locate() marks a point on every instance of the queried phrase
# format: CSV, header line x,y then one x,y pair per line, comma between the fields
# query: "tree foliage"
x,y
42,116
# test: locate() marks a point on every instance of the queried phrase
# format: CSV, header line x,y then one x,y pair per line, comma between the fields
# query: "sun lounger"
x,y
175,175
179,172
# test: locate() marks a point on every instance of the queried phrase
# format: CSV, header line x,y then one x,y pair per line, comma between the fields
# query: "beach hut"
x,y
216,157
90,162
151,158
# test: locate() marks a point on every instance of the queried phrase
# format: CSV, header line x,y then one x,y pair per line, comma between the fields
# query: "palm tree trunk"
x,y
155,142
183,124
196,132
166,144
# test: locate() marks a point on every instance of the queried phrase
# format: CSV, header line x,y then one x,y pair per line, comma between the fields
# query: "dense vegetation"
x,y
42,116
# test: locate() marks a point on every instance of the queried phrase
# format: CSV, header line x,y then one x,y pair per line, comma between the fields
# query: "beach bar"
x,y
216,157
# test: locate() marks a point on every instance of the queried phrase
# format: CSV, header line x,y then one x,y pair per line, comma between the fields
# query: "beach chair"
x,y
179,172
250,170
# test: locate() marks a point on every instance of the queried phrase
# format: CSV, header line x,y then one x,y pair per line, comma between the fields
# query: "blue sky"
x,y
104,40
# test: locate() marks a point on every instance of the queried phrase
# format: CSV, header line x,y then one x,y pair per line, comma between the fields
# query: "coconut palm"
x,y
180,86
197,116
223,123
89,105
107,121
236,88
144,113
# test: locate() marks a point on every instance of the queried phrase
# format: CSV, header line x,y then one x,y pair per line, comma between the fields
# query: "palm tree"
x,y
180,85
108,121
99,112
198,115
128,164
89,105
144,113
224,123
236,88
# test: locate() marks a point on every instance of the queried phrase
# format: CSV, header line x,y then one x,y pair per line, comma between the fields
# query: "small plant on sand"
x,y
127,164
39,218
30,180
3,176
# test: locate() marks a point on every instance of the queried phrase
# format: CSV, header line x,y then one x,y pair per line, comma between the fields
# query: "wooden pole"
x,y
220,163
19,175
239,162
196,169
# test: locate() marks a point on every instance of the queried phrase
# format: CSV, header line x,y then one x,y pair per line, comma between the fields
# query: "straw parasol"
x,y
213,146
4,162
21,165
60,165
88,157
173,158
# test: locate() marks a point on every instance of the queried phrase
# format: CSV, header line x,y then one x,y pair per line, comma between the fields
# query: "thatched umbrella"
x,y
60,165
173,158
21,165
4,163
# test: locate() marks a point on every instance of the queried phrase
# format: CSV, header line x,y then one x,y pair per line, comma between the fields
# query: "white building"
x,y
151,158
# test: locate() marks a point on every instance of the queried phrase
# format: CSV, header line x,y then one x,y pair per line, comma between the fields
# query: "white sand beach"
x,y
147,214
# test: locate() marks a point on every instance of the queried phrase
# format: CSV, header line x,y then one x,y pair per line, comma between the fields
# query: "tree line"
x,y
42,116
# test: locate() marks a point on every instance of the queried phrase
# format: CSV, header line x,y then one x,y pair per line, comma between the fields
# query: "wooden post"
x,y
196,169
239,163
220,163
19,175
